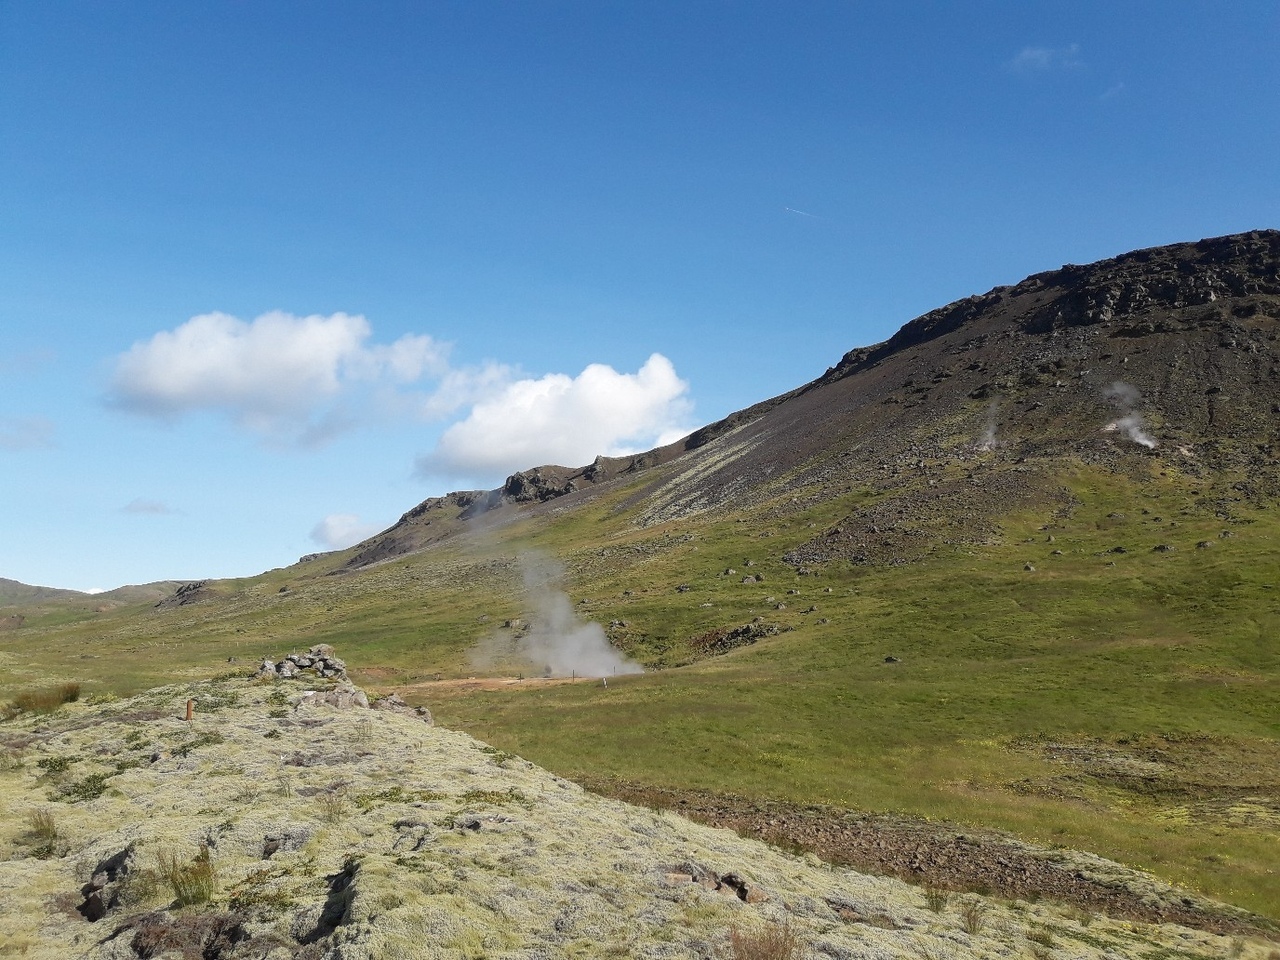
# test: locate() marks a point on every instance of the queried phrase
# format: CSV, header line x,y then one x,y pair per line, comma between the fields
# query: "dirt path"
x,y
468,684
945,856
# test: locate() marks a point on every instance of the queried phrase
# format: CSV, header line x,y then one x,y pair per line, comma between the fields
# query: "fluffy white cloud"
x,y
1038,59
564,420
279,374
25,433
341,530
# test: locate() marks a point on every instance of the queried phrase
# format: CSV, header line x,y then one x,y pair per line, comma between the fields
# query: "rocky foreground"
x,y
297,818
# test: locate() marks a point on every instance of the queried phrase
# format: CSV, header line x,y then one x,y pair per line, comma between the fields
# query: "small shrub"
x,y
332,805
278,713
90,788
364,730
203,740
193,882
396,795
98,699
510,795
44,834
936,899
1042,937
212,702
272,734
499,756
973,916
10,760
254,894
44,701
56,765
278,698
775,941
138,887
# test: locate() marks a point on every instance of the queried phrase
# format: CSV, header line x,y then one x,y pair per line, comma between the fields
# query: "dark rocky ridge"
x,y
960,415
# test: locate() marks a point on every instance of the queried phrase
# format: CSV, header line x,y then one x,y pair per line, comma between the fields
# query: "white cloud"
x,y
281,375
1040,59
25,433
564,420
341,530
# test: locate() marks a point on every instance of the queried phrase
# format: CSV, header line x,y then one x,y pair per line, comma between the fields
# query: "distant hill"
x,y
14,592
11,591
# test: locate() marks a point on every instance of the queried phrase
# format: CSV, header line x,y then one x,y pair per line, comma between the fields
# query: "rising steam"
x,y
557,643
988,441
1125,397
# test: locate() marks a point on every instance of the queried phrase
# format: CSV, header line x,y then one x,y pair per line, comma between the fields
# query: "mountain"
x,y
1170,351
297,819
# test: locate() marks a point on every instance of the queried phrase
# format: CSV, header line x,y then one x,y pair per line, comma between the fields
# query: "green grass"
x,y
1134,655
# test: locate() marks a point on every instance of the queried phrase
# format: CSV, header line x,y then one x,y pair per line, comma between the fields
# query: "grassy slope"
x,y
1165,659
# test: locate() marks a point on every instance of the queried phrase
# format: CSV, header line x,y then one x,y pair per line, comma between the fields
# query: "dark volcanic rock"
x,y
187,593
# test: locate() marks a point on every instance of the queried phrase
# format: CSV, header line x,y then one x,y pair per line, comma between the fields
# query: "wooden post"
x,y
191,709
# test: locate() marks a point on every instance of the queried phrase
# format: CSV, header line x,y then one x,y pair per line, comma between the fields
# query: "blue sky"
x,y
275,272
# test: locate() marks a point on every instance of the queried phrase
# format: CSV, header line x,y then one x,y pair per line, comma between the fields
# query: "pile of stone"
x,y
320,659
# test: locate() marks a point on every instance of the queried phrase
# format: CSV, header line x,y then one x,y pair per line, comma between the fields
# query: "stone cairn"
x,y
320,659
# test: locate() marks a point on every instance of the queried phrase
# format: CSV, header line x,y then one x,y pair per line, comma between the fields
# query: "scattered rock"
x,y
102,892
395,703
186,594
345,696
891,659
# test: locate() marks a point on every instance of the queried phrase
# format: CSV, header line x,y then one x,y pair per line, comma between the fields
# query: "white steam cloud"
x,y
1125,397
988,441
557,643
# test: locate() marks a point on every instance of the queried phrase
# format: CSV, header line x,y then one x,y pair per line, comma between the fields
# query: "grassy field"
x,y
1125,703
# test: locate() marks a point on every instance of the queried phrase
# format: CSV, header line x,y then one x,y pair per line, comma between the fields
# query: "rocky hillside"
x,y
295,819
1169,353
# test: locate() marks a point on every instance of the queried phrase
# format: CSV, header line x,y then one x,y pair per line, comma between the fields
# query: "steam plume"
x,y
988,441
557,643
1125,397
